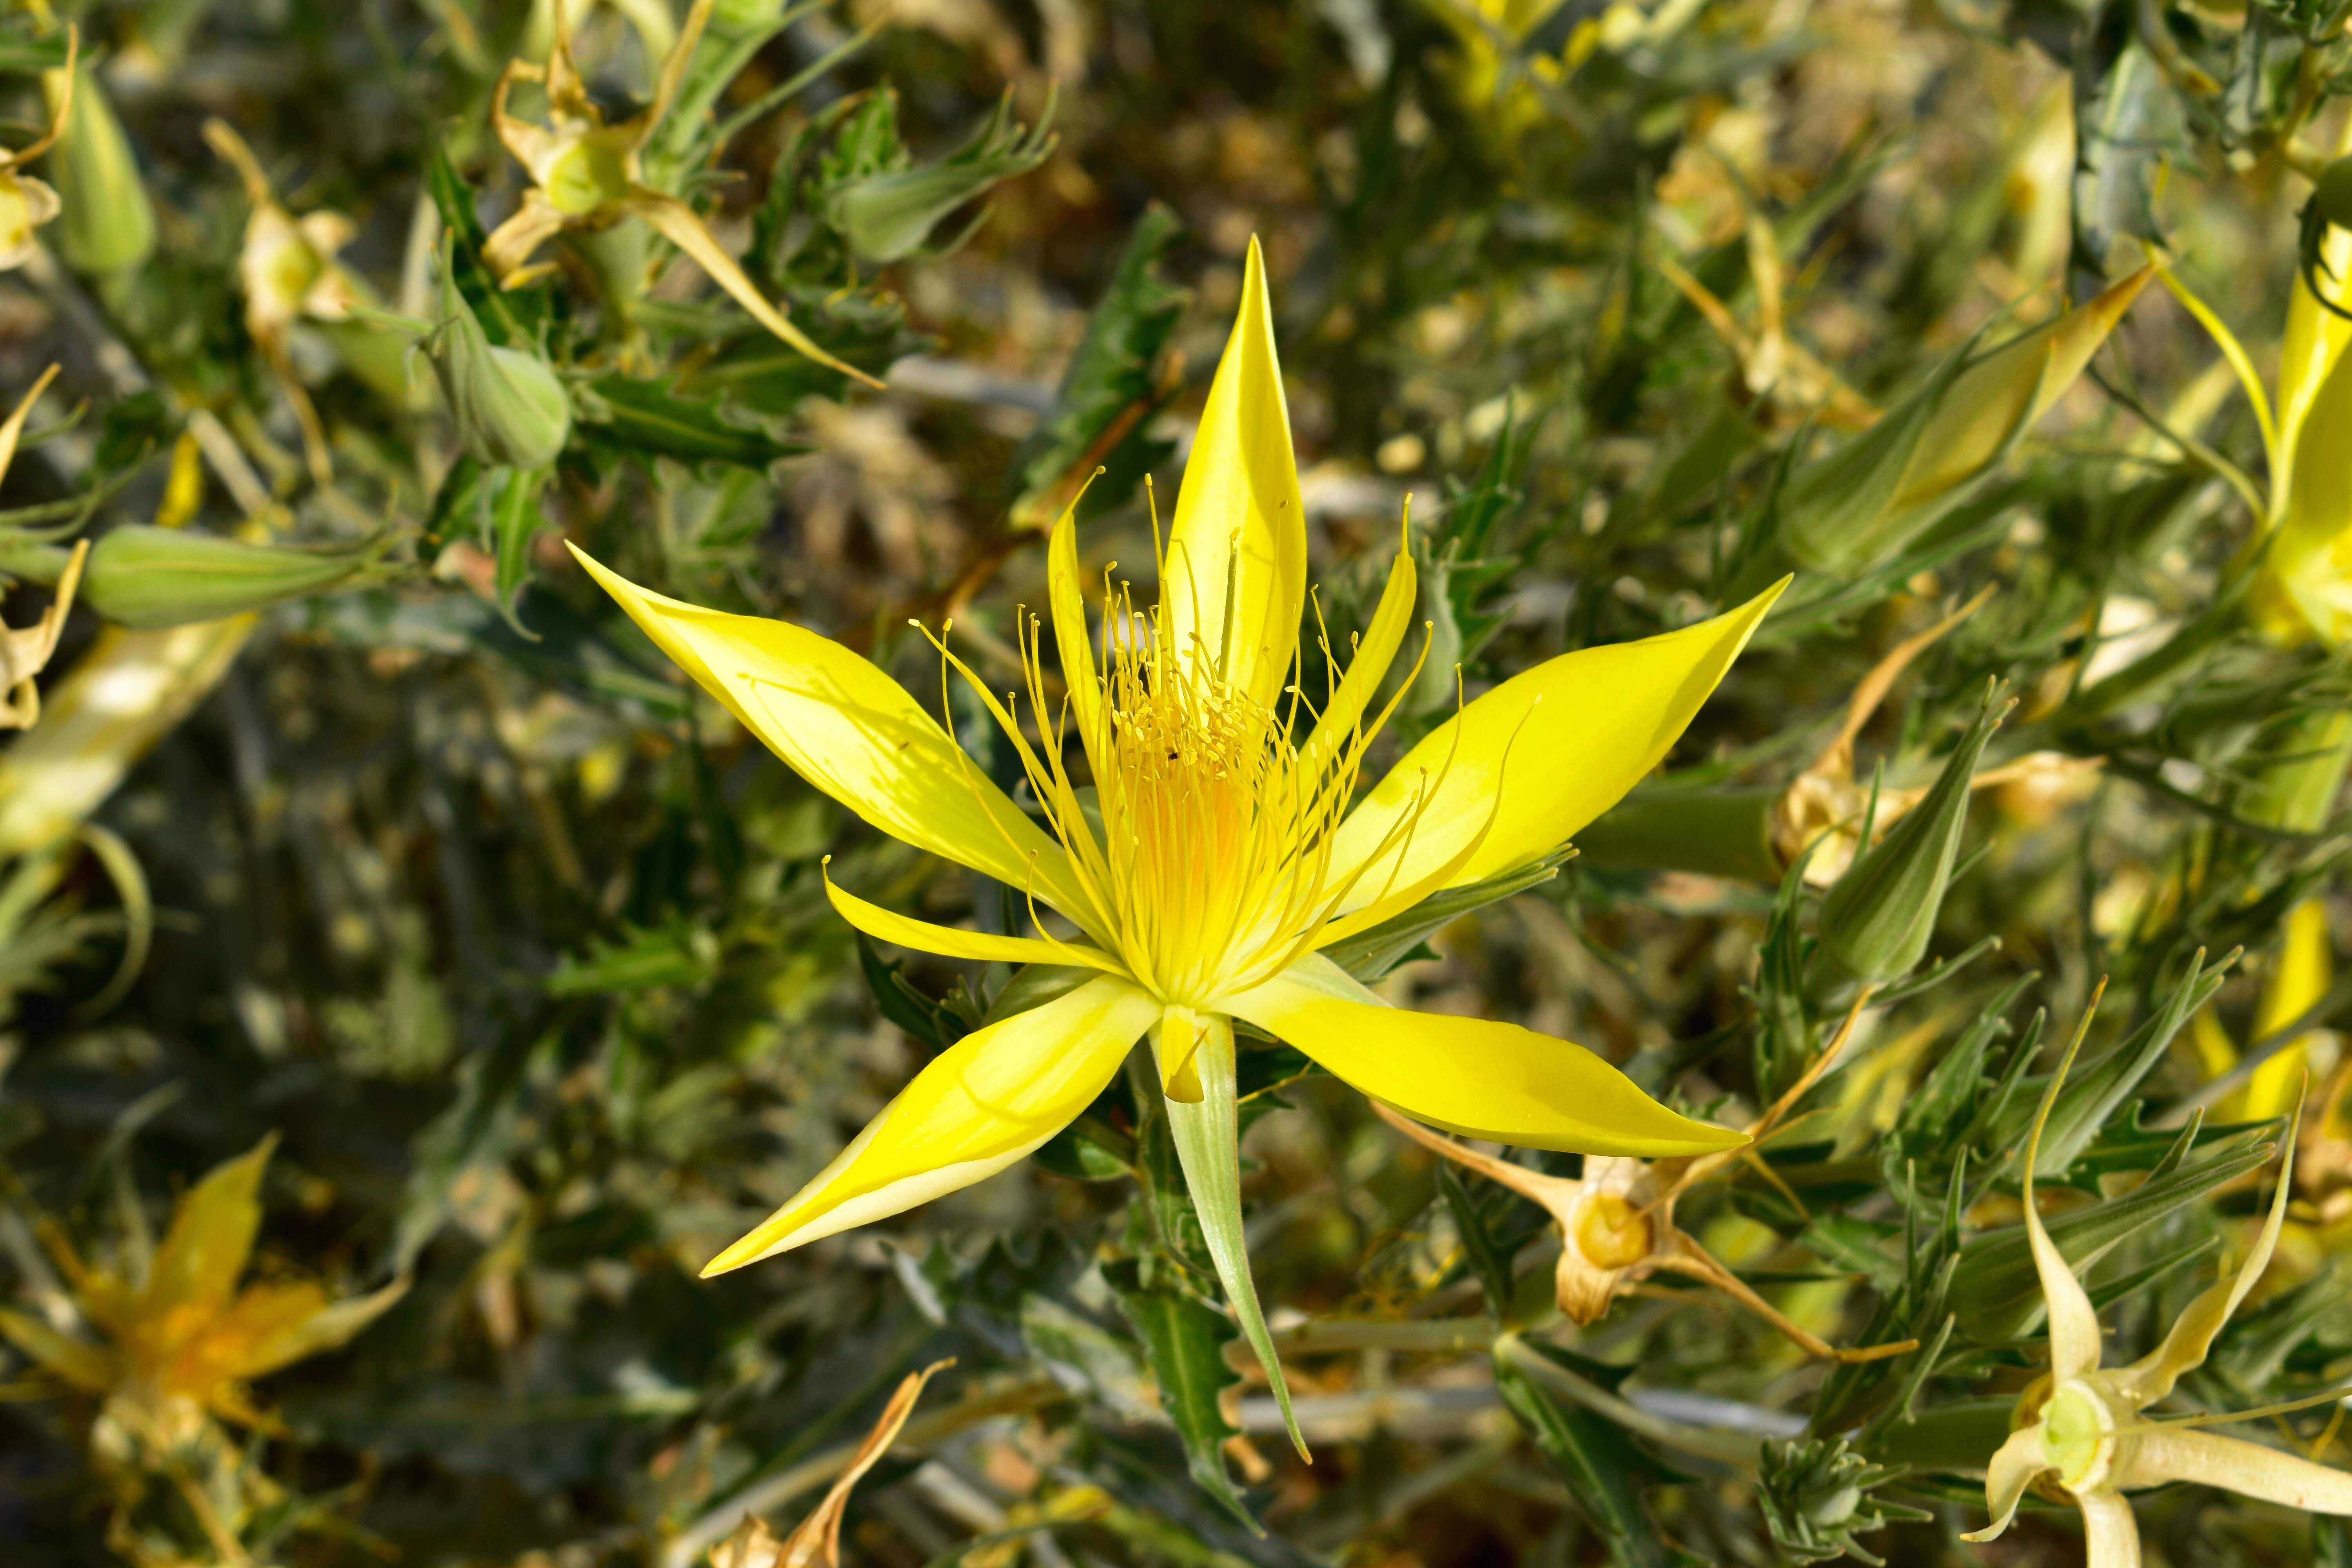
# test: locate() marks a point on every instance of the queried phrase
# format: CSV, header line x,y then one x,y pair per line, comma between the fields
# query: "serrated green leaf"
x,y
650,419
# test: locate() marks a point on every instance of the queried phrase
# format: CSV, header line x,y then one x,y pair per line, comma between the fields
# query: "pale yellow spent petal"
x,y
948,941
2165,1453
853,733
531,225
1588,726
90,1368
211,1236
2012,1469
678,223
1336,730
2307,968
1236,577
2192,1336
2074,1347
1469,1076
994,1097
2110,1534
11,431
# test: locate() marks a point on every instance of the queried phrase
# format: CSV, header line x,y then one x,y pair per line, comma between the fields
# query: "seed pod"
x,y
509,407
1875,922
108,223
1856,508
888,214
147,577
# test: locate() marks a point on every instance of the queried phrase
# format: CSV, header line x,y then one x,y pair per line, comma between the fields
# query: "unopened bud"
x,y
1863,503
1875,924
888,214
108,224
509,405
148,578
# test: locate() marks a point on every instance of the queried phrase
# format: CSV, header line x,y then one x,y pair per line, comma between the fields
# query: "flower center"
x,y
587,176
2078,1436
1611,1232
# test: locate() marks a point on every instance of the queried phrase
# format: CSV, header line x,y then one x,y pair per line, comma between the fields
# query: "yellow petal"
x,y
210,1239
1581,730
678,223
2307,556
948,941
2316,339
14,425
325,1327
1470,1075
532,224
89,1367
2014,1466
2305,970
853,733
1236,576
992,1097
2074,1346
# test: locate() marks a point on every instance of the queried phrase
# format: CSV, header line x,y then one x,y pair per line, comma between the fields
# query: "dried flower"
x,y
25,652
816,1542
25,203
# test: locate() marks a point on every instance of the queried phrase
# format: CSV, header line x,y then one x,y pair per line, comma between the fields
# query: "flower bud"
x,y
1856,508
146,577
889,213
1875,924
108,223
509,407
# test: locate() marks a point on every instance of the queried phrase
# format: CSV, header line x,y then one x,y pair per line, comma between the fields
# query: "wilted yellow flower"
x,y
588,176
25,203
2085,1434
1216,855
1617,1220
816,1542
25,652
183,1338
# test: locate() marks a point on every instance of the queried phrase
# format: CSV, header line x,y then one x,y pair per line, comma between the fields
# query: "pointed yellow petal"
x,y
2316,339
90,1368
854,733
15,426
2308,555
324,1328
992,1097
1236,576
1345,711
901,930
1588,725
2110,1534
2166,1453
678,223
1470,1075
2014,1466
210,1237
532,224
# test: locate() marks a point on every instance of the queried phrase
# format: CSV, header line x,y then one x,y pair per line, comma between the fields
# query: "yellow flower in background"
x,y
25,203
2306,969
181,1338
587,176
2086,1432
1216,853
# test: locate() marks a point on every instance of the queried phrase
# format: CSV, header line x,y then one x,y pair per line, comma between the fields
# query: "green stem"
x,y
1207,1132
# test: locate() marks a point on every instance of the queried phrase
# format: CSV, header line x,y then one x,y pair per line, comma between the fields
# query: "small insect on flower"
x,y
2085,1434
181,1340
587,176
25,652
1218,854
1617,1221
25,203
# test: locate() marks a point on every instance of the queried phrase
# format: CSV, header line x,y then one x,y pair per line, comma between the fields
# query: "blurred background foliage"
x,y
346,814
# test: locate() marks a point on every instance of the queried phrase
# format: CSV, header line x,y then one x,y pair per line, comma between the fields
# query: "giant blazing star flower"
x,y
1218,856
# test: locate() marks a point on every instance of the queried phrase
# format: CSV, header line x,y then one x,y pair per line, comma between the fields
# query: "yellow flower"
x,y
183,1339
2087,1434
25,652
1215,855
25,203
587,176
